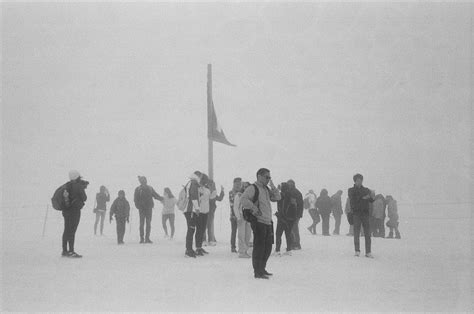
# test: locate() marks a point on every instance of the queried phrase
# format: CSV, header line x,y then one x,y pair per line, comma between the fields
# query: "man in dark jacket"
x,y
324,205
144,195
75,193
121,209
296,199
337,211
360,199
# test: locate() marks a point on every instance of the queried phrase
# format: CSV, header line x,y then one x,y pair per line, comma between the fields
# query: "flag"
x,y
215,132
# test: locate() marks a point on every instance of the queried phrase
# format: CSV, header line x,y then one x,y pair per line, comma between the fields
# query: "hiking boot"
x,y
74,255
65,254
357,254
287,253
369,255
199,252
244,255
261,276
148,241
390,235
266,273
234,251
190,253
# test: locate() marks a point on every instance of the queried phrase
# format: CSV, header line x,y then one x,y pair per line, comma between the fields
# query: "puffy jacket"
x,y
120,208
77,194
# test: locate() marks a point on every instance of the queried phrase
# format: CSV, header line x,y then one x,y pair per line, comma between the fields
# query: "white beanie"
x,y
73,175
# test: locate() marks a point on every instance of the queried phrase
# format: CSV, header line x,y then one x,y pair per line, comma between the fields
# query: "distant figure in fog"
x,y
144,195
393,218
360,198
192,211
237,186
121,210
256,201
287,213
337,212
378,214
201,219
311,198
101,199
76,197
243,227
168,214
212,210
324,205
294,202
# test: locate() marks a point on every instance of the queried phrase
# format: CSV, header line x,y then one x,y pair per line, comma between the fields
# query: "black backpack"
x,y
60,199
247,213
290,211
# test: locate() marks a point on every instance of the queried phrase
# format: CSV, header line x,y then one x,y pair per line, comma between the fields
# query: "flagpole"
x,y
209,106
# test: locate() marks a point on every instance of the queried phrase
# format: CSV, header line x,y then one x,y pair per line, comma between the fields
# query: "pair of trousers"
x,y
191,219
337,227
325,218
210,226
379,230
201,222
262,246
121,221
283,226
71,221
233,232
362,220
243,231
145,217
164,219
295,233
99,215
316,219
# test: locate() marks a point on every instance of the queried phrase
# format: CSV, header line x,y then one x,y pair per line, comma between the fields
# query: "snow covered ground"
x,y
428,270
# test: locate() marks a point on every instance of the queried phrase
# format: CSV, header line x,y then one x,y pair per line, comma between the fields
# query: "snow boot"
x,y
390,235
369,255
199,252
148,241
74,255
261,276
234,251
65,254
266,273
190,253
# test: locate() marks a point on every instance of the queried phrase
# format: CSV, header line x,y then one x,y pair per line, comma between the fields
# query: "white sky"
x,y
315,92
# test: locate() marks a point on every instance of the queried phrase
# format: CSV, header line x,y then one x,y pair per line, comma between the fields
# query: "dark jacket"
x,y
287,206
295,198
77,194
120,208
144,195
102,199
324,204
359,205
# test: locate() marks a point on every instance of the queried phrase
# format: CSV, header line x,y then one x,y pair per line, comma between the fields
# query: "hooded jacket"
x,y
324,203
77,194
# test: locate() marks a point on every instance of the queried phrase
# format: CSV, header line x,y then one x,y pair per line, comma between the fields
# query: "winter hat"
x,y
74,175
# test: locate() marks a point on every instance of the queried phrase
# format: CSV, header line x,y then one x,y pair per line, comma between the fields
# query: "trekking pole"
x,y
45,219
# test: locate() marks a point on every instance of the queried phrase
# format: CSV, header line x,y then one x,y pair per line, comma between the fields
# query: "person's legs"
x,y
172,225
102,218
120,229
287,228
97,218
67,229
296,234
337,227
365,223
199,231
233,224
357,224
210,218
191,223
382,227
278,234
76,217
258,247
164,218
141,212
203,227
248,232
242,235
268,246
148,216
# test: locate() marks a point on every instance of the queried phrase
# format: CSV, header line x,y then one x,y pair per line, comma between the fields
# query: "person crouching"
x,y
121,209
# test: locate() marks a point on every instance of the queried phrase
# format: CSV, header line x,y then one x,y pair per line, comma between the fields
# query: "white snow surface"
x,y
427,270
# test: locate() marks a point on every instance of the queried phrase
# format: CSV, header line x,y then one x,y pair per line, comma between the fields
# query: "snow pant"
x,y
233,232
191,219
295,231
210,226
145,216
99,215
164,219
325,218
361,220
337,227
120,228
316,219
283,226
262,246
201,222
379,228
71,221
243,232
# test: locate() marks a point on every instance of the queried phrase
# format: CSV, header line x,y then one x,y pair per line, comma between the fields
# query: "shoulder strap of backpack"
x,y
257,193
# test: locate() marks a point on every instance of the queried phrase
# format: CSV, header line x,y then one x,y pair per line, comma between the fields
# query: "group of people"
x,y
251,214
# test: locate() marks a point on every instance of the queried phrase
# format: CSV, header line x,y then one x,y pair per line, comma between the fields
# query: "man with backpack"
x,y
257,210
144,195
297,204
70,199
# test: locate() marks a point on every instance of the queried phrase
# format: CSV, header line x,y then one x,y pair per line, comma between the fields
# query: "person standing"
x,y
121,210
297,203
262,224
243,226
311,198
393,217
168,214
233,218
337,211
75,195
204,196
101,200
212,210
324,204
378,214
192,211
347,211
286,216
360,199
144,195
